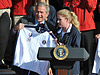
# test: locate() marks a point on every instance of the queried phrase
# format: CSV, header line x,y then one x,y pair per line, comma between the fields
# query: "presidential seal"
x,y
44,42
61,52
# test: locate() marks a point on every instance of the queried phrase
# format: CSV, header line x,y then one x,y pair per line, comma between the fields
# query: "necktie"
x,y
40,28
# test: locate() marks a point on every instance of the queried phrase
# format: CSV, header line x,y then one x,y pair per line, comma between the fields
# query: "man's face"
x,y
41,13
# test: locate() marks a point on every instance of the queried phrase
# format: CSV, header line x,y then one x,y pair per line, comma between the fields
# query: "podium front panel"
x,y
75,54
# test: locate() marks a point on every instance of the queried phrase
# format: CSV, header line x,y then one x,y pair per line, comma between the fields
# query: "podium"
x,y
75,54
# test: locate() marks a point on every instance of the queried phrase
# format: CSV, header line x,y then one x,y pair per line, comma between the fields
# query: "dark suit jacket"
x,y
71,39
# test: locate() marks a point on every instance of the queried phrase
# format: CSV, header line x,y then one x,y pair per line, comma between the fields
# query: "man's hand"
x,y
50,71
19,26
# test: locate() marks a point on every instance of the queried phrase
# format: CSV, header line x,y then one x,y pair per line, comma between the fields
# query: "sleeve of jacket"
x,y
91,5
76,40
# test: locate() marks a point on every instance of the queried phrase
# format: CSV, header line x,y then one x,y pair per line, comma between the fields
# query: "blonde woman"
x,y
68,34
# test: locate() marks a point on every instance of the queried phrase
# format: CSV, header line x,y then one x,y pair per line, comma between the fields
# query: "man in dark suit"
x,y
41,13
40,16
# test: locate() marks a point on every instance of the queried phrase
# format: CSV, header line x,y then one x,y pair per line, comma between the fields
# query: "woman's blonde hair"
x,y
71,16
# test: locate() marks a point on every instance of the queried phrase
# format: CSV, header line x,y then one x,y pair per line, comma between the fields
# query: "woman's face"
x,y
61,21
41,0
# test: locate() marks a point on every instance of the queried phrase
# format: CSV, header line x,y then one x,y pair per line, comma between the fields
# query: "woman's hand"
x,y
58,43
50,71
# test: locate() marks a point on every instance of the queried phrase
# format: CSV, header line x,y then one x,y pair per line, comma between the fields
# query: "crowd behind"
x,y
87,11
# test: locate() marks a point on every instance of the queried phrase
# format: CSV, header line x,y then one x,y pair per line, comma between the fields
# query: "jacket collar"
x,y
36,22
68,31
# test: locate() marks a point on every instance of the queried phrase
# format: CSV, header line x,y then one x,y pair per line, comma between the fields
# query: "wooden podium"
x,y
63,67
